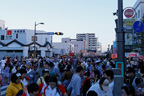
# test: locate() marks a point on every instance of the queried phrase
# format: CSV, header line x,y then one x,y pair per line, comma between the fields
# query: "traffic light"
x,y
58,33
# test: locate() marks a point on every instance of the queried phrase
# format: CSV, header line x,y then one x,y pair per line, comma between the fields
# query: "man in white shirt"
x,y
56,70
110,75
3,63
52,89
102,88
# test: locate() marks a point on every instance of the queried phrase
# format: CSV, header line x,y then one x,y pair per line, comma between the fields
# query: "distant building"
x,y
19,42
63,48
79,45
99,47
139,8
2,24
91,41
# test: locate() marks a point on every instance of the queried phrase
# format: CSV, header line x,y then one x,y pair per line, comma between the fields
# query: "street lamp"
x,y
36,24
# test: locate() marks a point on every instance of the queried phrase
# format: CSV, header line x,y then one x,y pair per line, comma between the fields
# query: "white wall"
x,y
65,46
139,7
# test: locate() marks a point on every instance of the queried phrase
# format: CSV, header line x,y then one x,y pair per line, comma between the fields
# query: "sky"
x,y
67,16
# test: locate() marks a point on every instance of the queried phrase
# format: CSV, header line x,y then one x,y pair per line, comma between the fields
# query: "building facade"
x,y
139,8
19,42
79,45
99,47
91,41
63,48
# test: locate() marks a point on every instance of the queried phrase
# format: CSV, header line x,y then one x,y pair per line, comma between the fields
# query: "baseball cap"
x,y
105,83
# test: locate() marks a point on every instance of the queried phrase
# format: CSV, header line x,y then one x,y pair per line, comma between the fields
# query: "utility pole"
x,y
120,39
120,34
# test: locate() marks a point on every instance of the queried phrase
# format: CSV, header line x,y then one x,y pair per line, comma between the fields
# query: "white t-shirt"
x,y
50,92
111,85
25,82
98,90
3,63
56,64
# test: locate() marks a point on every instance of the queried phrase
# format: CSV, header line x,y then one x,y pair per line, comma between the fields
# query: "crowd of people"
x,y
69,76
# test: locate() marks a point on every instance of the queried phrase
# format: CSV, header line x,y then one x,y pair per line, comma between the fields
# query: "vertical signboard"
x,y
121,66
114,47
128,38
8,34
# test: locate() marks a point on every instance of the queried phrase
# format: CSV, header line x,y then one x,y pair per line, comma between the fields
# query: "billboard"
x,y
128,38
8,34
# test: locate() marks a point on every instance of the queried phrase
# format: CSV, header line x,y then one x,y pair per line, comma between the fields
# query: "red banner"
x,y
71,54
9,32
132,55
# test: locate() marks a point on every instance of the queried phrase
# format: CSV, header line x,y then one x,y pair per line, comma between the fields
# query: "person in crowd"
x,y
61,67
89,67
0,83
110,75
17,68
43,85
16,88
56,63
23,64
66,78
133,80
102,89
6,73
96,78
92,72
8,61
14,70
46,66
45,73
24,79
3,61
52,89
99,67
128,90
30,73
103,68
37,75
60,86
87,83
32,90
75,84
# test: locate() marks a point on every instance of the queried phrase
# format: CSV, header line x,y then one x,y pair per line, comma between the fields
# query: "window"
x,y
2,37
16,36
9,51
18,51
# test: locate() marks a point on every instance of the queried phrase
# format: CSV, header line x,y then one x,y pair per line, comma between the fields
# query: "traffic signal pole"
x,y
120,35
120,39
